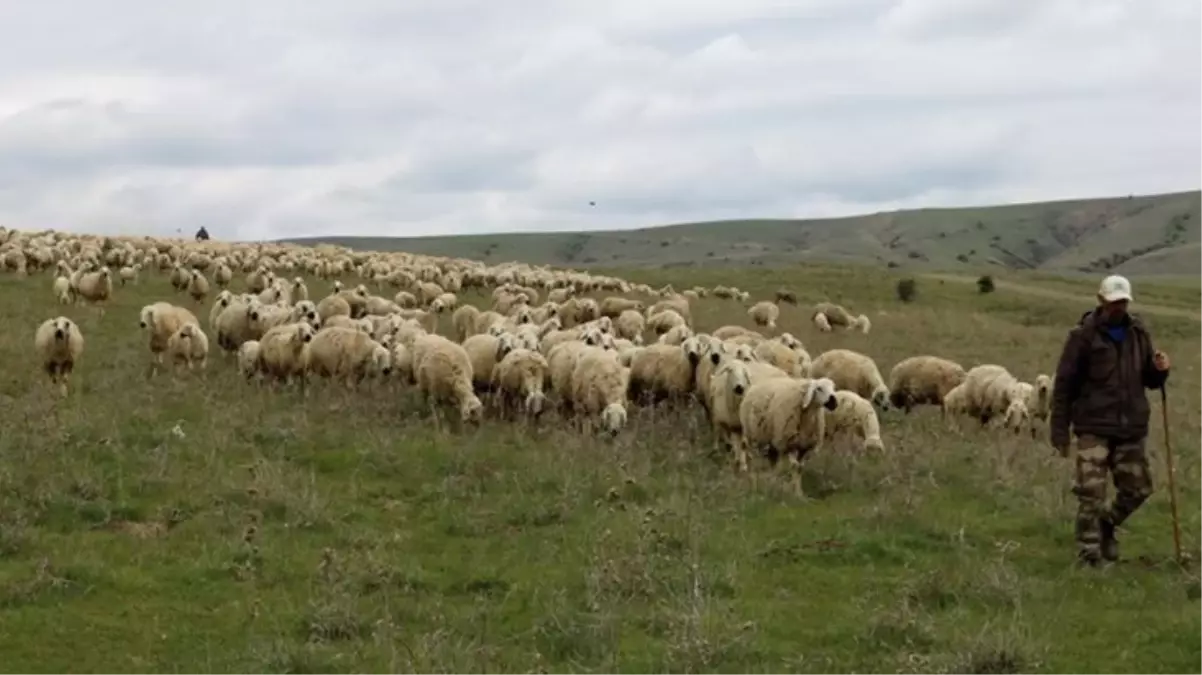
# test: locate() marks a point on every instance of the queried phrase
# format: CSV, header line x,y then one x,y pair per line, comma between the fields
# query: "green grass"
x,y
124,547
1151,234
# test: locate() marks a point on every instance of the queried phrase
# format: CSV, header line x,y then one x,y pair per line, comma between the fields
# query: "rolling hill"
x,y
1149,234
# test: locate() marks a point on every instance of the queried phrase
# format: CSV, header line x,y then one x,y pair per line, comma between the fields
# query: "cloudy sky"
x,y
276,118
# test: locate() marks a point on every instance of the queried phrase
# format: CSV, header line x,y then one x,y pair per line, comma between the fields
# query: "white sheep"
x,y
283,352
854,416
785,416
59,344
348,353
665,372
248,359
63,291
485,352
599,390
853,371
444,375
764,314
188,346
986,393
794,361
96,287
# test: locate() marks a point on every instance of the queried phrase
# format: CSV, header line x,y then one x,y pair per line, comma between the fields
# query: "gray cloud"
x,y
275,119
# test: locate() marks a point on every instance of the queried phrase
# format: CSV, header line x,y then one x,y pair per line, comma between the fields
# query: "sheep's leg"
x,y
795,471
741,456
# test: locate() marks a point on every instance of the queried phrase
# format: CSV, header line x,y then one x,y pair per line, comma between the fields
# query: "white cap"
x,y
1114,288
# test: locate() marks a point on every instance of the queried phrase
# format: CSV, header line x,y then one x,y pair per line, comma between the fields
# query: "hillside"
x,y
1138,234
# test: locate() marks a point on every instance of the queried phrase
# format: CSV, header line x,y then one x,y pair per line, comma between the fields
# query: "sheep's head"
x,y
496,330
1018,416
522,315
535,403
737,377
613,418
605,325
822,322
471,410
745,354
716,349
880,398
146,316
822,392
693,349
438,306
789,341
337,286
381,360
505,344
304,333
62,328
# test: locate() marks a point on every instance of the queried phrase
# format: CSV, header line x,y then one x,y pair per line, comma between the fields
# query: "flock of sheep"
x,y
544,341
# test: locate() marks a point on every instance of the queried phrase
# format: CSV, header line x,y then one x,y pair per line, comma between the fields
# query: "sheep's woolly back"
x,y
764,313
835,315
986,392
853,371
248,358
337,351
795,362
597,381
854,415
662,371
729,332
161,320
282,349
520,376
485,351
922,380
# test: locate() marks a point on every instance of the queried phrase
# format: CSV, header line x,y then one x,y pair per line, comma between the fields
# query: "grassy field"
x,y
200,523
1148,234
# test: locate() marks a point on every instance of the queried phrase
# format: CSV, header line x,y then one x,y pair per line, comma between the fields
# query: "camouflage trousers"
x,y
1128,463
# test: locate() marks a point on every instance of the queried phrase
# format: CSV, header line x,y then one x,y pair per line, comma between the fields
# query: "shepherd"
x,y
202,234
1107,363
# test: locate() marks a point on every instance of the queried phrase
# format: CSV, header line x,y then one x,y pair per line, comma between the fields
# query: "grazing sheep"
x,y
729,332
822,323
248,359
60,344
561,362
347,353
677,304
921,380
283,352
599,385
233,324
129,274
333,305
764,314
665,321
786,296
444,375
853,371
985,393
785,416
161,320
300,292
676,336
518,380
630,325
189,346
613,307
854,416
794,361
406,300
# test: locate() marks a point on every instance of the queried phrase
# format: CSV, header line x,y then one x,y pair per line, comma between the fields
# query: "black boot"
x,y
1110,545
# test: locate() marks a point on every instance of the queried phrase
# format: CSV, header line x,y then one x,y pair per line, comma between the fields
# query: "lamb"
x,y
599,386
60,344
283,352
726,388
1028,403
189,346
248,359
786,417
764,314
348,353
828,315
305,310
853,371
854,416
921,380
161,320
198,286
63,291
233,324
518,381
485,351
129,274
444,375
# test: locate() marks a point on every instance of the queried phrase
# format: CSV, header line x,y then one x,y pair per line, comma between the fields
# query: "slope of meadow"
x,y
201,523
1140,234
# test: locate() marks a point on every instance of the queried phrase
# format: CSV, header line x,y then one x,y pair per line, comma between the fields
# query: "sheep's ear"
x,y
807,396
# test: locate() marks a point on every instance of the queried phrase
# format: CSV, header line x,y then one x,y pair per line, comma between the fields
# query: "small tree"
x,y
985,284
906,290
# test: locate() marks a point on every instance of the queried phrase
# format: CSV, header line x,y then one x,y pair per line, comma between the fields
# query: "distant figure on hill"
x,y
202,234
1107,362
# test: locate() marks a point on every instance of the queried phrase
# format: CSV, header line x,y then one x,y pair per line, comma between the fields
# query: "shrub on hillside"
x,y
985,284
907,289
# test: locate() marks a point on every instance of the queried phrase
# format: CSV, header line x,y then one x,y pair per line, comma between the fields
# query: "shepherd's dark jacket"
x,y
1100,383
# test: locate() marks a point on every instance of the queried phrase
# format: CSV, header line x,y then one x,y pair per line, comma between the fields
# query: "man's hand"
x,y
1160,361
1061,445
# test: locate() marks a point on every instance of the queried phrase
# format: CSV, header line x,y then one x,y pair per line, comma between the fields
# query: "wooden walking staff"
x,y
1168,458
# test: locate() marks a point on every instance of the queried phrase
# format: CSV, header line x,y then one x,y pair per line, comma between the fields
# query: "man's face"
x,y
1115,310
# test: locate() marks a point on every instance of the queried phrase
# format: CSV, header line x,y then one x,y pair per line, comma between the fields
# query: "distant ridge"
x,y
1147,234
